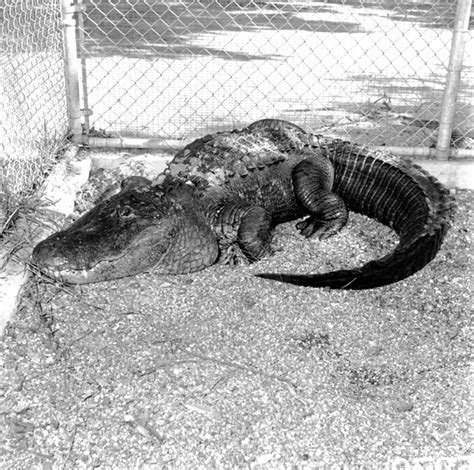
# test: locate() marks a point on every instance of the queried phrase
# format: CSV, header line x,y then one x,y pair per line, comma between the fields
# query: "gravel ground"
x,y
219,369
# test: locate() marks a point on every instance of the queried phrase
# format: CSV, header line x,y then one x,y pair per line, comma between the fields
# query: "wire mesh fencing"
x,y
33,115
372,71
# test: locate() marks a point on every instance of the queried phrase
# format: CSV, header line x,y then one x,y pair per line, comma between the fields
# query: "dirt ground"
x,y
219,369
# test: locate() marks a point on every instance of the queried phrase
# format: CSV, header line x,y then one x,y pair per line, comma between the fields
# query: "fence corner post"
x,y
71,68
453,77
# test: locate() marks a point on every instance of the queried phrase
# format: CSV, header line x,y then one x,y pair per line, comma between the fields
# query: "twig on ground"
x,y
163,364
143,428
71,445
234,365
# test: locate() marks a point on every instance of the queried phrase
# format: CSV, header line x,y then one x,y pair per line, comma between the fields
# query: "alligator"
x,y
221,196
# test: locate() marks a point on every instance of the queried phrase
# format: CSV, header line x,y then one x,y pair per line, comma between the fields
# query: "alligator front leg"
x,y
312,182
245,228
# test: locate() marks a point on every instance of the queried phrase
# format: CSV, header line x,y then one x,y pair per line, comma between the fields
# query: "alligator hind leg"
x,y
244,229
312,181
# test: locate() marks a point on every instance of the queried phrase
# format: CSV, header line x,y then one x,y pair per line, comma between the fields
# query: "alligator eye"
x,y
125,212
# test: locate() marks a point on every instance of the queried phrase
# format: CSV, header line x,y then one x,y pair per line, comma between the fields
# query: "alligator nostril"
x,y
125,211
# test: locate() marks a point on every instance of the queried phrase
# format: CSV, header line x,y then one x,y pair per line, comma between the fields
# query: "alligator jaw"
x,y
78,266
112,267
71,276
59,269
68,276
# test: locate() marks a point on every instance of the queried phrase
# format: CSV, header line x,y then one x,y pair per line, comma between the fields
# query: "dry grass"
x,y
21,178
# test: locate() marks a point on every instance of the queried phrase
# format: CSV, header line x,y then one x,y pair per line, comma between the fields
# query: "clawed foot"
x,y
233,255
313,227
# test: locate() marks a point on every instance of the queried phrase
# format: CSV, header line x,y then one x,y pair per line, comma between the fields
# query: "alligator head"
x,y
131,232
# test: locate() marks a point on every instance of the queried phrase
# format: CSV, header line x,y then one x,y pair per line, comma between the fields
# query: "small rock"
x,y
202,409
263,459
403,405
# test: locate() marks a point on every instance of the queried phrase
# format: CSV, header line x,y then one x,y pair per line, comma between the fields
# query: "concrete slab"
x,y
152,163
452,173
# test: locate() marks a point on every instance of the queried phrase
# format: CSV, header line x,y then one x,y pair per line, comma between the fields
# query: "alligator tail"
x,y
395,192
400,264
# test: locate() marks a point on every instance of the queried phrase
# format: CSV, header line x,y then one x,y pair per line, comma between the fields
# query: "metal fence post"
x,y
71,67
453,77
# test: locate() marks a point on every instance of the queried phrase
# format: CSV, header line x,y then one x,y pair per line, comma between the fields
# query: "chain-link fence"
x,y
373,71
33,115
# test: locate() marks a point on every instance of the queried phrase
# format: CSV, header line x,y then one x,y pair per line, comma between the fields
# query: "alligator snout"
x,y
61,251
49,256
64,261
